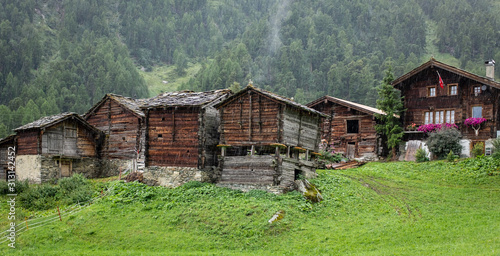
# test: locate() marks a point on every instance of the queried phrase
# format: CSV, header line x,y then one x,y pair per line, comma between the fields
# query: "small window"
x,y
160,135
477,111
477,90
163,118
352,126
431,91
453,89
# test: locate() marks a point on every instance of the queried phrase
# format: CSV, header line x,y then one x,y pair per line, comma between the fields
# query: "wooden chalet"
x,y
5,144
56,146
463,95
350,127
123,122
181,129
266,139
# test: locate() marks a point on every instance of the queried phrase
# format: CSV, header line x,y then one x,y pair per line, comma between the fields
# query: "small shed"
x,y
123,123
266,139
57,146
7,146
350,127
181,129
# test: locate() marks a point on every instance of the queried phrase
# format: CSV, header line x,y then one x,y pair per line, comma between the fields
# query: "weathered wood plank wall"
x,y
173,137
300,129
249,170
335,129
122,129
28,142
250,119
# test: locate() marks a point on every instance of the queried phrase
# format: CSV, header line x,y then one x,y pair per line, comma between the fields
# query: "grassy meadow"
x,y
397,208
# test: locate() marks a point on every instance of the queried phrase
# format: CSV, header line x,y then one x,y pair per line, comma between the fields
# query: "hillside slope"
x,y
434,208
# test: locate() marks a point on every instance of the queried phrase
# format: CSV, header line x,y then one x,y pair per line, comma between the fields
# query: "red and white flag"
x,y
441,83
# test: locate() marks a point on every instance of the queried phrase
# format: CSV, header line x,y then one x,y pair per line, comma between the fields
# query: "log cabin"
x,y
350,127
57,146
181,129
461,95
266,139
5,144
123,122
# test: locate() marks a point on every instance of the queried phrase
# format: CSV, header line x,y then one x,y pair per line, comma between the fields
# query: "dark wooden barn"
x,y
123,123
266,139
350,127
5,144
181,128
56,146
462,95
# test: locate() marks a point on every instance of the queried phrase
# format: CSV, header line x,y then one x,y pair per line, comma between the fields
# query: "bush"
x,y
46,196
441,142
421,156
75,189
39,197
20,186
477,150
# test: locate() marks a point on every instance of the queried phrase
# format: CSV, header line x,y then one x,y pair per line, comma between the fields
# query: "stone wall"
x,y
50,169
112,167
173,176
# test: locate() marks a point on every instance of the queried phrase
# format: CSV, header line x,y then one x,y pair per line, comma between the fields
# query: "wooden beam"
x,y
250,117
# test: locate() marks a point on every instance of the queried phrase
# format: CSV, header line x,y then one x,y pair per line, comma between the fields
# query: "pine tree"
x,y
391,103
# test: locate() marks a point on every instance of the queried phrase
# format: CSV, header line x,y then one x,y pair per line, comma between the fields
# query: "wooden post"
x,y
250,118
251,150
59,213
307,154
288,152
26,219
277,151
223,151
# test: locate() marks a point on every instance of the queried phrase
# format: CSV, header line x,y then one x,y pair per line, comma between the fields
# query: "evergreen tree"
x,y
391,103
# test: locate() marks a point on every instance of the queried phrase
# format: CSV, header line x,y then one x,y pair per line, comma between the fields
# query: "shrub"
x,y
39,197
75,189
477,150
443,141
19,186
421,155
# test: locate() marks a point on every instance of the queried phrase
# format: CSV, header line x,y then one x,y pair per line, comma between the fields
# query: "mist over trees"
x,y
64,55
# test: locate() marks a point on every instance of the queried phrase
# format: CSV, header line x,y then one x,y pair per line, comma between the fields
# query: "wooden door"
x,y
351,150
65,168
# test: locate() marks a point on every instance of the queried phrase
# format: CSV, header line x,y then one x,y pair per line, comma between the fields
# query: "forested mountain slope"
x,y
64,55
